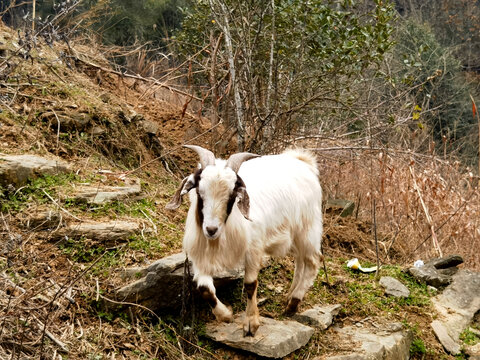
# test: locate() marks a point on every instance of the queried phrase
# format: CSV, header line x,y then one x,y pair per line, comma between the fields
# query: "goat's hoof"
x,y
250,326
224,314
292,307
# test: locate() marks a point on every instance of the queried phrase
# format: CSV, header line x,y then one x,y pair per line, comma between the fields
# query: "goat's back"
x,y
285,192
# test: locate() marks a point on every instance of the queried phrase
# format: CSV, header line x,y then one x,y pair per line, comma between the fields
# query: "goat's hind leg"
x,y
292,302
312,264
207,290
307,263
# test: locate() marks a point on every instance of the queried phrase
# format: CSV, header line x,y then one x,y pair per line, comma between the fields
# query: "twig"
x,y
436,245
171,150
374,213
475,112
138,77
61,208
52,337
151,221
58,128
325,268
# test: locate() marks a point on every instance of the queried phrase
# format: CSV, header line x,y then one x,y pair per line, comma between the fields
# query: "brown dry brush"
x,y
402,180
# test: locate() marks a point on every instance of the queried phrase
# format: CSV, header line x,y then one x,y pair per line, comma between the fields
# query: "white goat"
x,y
226,227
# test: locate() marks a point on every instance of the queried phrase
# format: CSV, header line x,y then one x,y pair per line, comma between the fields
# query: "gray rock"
x,y
445,262
98,195
274,338
149,127
377,343
106,232
343,207
437,272
394,287
97,131
129,115
18,169
158,285
427,274
449,271
473,351
319,316
456,307
441,332
67,121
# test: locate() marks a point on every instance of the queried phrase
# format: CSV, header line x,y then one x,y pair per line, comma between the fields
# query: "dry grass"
x,y
399,181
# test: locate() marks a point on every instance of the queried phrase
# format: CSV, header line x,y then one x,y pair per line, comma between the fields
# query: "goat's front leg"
x,y
252,316
207,290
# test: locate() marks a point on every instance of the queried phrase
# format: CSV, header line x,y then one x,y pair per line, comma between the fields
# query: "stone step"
x,y
456,306
369,342
274,338
108,233
159,285
102,194
16,170
319,316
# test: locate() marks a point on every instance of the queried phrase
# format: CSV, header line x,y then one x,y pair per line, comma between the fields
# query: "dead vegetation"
x,y
52,292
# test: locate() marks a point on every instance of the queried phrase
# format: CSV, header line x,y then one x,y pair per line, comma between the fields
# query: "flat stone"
x,y
446,261
18,169
343,207
274,338
456,307
157,285
98,195
441,332
319,316
376,343
107,232
429,275
394,287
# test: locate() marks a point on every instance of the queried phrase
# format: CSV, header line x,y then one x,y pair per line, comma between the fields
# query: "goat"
x,y
227,226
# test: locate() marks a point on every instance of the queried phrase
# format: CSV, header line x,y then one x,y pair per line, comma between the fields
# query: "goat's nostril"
x,y
211,230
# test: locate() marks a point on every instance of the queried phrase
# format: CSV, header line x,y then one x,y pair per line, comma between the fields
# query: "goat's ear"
x,y
243,198
187,184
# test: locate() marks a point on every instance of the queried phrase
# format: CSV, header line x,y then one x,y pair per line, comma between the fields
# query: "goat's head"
x,y
218,186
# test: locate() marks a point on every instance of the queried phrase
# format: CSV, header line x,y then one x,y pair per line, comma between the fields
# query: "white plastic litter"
x,y
355,265
418,263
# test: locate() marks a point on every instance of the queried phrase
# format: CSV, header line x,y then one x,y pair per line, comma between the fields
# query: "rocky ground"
x,y
90,262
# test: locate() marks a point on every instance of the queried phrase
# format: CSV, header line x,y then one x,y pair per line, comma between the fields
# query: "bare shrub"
x,y
448,191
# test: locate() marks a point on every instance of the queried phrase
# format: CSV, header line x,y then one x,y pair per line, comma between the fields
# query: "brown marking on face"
x,y
199,212
208,296
250,288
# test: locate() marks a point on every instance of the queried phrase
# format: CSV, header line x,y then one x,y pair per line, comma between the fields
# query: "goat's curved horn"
x,y
206,156
236,160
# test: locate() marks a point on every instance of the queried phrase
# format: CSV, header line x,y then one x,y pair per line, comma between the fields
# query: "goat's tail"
x,y
305,156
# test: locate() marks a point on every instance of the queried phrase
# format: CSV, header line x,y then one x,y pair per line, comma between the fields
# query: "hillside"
x,y
113,134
